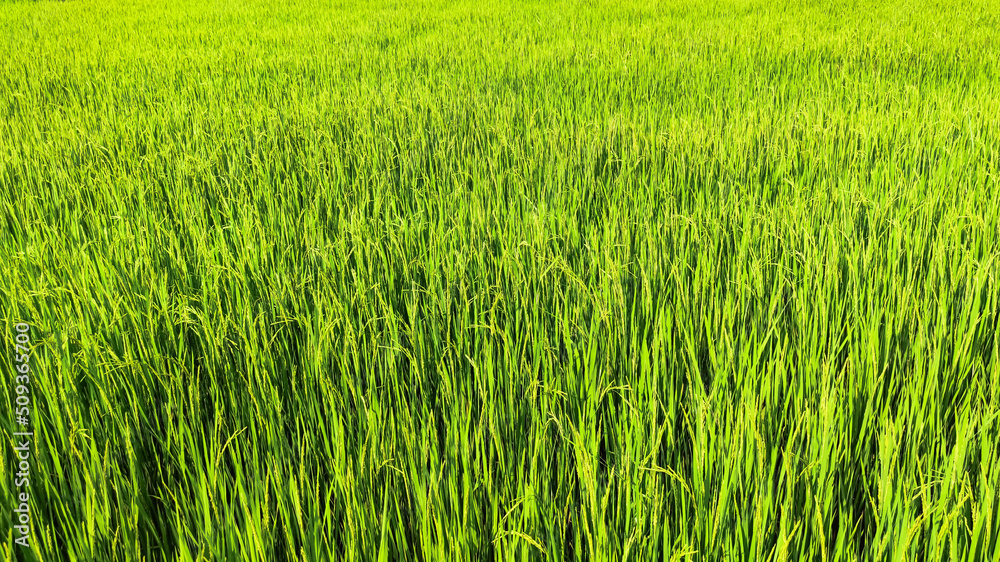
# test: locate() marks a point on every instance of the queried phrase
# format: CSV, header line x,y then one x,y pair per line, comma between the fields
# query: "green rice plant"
x,y
545,281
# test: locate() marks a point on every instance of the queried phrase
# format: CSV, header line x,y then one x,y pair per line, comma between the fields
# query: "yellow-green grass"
x,y
503,281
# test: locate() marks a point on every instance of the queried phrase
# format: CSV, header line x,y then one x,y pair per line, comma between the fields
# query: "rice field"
x,y
515,281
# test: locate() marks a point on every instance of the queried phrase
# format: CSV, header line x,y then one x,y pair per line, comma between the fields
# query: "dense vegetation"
x,y
504,281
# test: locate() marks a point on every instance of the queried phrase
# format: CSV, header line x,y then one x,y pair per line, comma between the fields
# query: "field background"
x,y
504,281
